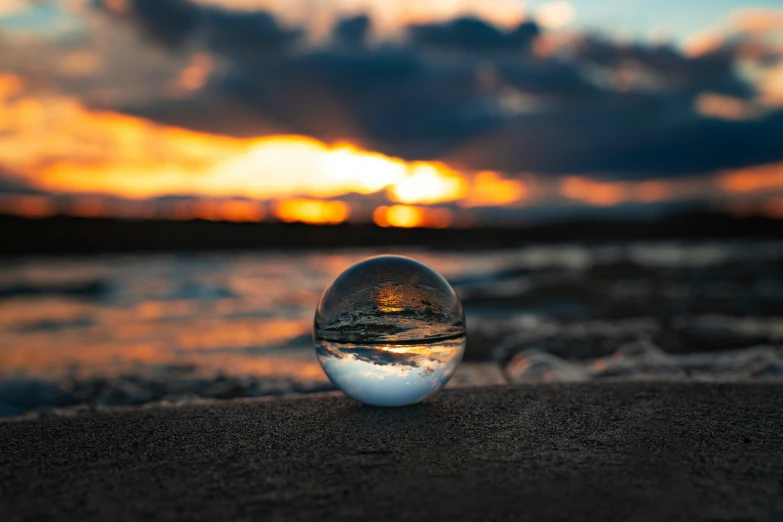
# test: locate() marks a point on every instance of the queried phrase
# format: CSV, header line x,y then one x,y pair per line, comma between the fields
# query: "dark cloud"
x,y
626,137
469,93
472,35
668,68
175,23
700,146
553,79
370,355
381,357
14,185
239,34
328,94
170,22
352,31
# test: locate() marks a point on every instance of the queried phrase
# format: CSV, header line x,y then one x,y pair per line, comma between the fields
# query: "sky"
x,y
406,113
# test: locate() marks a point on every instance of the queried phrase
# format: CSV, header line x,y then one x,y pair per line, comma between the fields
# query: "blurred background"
x,y
601,181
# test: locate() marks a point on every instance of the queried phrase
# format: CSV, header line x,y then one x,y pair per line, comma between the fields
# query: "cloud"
x,y
639,137
702,146
12,7
662,67
771,85
177,23
624,110
383,357
476,94
390,19
414,357
352,31
108,65
726,107
555,14
472,35
10,183
758,20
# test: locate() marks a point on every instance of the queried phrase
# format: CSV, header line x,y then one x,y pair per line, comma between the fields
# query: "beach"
x,y
593,451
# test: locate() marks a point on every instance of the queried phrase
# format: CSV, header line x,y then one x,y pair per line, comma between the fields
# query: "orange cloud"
x,y
774,208
655,190
725,107
703,43
756,20
596,193
195,74
27,206
770,86
117,6
609,193
753,179
10,7
10,85
489,189
79,63
58,145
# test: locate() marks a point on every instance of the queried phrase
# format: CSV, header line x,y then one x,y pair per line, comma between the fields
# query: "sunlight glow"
x,y
54,143
490,189
429,183
312,211
97,163
408,216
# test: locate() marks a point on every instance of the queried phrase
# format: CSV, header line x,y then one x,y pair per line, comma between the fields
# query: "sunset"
x,y
173,121
337,260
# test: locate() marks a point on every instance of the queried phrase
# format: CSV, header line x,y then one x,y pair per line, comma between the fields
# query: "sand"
x,y
703,452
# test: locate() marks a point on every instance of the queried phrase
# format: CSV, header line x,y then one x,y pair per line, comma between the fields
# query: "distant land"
x,y
70,235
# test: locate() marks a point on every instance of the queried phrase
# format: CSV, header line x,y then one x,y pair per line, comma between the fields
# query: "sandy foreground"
x,y
609,451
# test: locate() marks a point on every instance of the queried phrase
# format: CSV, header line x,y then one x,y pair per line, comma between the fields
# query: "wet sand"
x,y
601,452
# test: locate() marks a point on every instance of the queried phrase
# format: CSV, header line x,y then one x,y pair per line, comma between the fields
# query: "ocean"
x,y
80,334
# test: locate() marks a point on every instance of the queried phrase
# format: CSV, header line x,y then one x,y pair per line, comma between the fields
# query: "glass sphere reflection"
x,y
389,331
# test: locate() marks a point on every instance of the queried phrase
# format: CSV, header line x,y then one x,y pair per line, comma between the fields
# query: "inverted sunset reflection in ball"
x,y
389,331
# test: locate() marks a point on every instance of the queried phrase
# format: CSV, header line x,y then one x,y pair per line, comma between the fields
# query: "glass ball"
x,y
389,331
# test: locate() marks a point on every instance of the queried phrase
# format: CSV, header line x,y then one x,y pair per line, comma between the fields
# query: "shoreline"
x,y
595,451
74,236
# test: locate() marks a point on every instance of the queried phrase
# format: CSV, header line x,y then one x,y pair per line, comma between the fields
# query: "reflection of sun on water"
x,y
389,299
